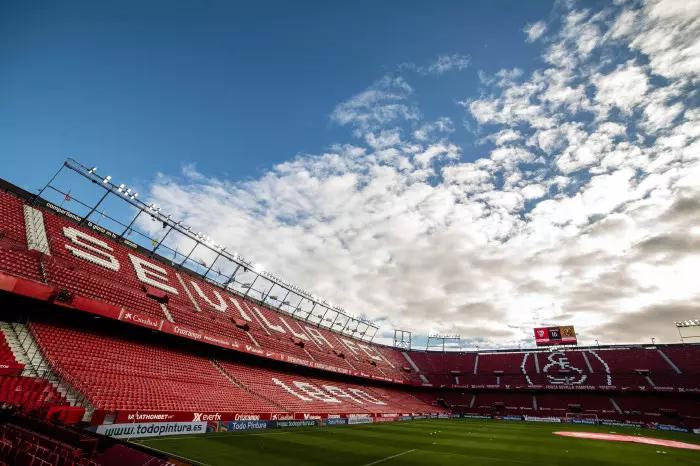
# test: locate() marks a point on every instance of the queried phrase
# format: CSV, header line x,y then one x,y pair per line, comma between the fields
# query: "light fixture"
x,y
106,180
92,170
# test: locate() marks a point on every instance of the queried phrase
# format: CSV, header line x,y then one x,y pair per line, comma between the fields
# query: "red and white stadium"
x,y
104,327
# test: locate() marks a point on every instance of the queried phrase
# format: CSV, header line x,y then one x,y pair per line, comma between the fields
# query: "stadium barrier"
x,y
561,420
185,416
152,429
151,425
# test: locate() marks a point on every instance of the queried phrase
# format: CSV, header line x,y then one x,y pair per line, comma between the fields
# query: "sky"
x,y
472,168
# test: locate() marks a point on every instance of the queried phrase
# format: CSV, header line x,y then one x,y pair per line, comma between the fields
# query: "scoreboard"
x,y
563,335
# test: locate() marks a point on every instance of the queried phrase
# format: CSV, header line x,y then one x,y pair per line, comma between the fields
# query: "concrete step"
x,y
38,366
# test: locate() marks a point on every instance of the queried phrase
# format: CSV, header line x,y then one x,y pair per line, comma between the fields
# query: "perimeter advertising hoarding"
x,y
151,429
563,335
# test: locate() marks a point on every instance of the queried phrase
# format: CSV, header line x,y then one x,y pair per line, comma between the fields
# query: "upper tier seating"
x,y
195,303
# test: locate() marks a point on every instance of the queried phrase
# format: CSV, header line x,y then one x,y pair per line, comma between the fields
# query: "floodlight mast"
x,y
440,340
692,326
119,191
402,339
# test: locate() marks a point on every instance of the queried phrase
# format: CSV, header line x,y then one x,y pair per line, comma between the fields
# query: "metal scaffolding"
x,y
202,256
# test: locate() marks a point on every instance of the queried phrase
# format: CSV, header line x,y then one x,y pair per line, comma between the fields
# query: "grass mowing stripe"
x,y
390,457
450,443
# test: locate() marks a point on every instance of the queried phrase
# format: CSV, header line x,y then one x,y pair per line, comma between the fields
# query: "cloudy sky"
x,y
563,188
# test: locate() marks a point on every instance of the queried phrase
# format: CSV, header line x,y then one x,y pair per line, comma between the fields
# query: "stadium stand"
x,y
252,361
28,441
115,374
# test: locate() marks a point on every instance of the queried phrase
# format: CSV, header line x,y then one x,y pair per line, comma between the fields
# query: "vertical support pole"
x,y
85,219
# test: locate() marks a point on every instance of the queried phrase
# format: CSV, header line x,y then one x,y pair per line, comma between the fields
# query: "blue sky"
x,y
234,87
479,168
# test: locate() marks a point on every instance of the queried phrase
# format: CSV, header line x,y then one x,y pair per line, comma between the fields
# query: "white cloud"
x,y
441,65
428,130
445,63
534,31
382,103
623,88
587,171
668,32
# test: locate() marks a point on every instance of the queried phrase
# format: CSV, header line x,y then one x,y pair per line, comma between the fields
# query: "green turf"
x,y
453,442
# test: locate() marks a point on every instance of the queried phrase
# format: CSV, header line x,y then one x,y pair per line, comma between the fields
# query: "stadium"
x,y
350,233
129,342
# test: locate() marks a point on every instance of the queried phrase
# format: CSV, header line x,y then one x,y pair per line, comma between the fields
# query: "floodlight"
x,y
106,180
92,170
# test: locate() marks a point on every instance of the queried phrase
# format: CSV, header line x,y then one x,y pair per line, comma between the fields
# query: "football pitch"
x,y
428,442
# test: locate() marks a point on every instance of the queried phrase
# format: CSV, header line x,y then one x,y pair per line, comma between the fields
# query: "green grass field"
x,y
427,442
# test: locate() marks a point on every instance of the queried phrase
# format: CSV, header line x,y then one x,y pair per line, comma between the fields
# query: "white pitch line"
x,y
389,457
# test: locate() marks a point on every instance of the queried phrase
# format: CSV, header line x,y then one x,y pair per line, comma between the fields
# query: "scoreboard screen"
x,y
547,336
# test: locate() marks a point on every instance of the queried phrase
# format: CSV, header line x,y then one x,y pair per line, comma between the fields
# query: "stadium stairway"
x,y
665,357
16,348
27,352
615,405
413,365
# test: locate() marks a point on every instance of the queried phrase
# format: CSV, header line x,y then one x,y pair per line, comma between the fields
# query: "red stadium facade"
x,y
99,328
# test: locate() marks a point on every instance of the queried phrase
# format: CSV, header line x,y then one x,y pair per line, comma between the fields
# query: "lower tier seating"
x,y
29,441
28,392
118,374
653,407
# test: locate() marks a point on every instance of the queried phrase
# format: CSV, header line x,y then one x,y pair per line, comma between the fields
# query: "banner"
x,y
243,425
547,336
385,419
671,428
583,421
614,423
360,420
309,423
154,429
542,418
335,421
474,416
